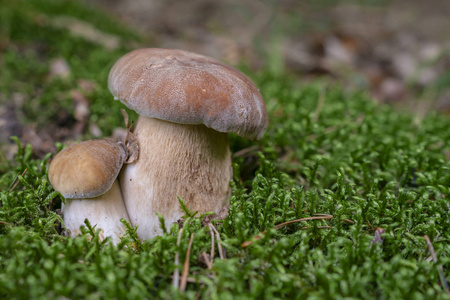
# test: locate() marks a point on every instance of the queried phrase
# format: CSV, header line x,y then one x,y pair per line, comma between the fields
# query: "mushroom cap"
x,y
87,169
188,88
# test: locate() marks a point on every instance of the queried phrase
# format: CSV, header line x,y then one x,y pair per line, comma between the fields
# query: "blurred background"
x,y
55,55
397,50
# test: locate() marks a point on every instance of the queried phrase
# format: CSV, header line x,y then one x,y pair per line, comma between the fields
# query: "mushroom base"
x,y
104,211
189,161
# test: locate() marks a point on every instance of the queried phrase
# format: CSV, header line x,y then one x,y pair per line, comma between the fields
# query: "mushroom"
x,y
86,175
187,103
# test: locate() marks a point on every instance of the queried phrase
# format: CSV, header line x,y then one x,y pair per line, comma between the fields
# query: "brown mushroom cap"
x,y
188,88
87,169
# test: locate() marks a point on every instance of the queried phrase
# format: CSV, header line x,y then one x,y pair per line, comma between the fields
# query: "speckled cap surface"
x,y
188,88
87,169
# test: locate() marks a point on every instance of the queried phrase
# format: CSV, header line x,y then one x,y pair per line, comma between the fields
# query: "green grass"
x,y
327,151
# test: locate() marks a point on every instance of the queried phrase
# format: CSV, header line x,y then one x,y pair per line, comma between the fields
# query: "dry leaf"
x,y
59,68
87,31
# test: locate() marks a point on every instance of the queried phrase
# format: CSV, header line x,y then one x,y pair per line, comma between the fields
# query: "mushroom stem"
x,y
105,211
189,161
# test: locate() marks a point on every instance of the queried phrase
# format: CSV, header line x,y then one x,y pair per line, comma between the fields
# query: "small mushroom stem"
x,y
189,161
105,211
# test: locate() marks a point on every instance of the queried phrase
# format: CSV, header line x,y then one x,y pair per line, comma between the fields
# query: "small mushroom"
x,y
187,103
86,175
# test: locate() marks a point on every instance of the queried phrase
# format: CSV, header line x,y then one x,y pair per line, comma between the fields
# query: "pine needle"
x,y
184,276
261,234
245,151
440,269
16,181
219,245
212,242
176,272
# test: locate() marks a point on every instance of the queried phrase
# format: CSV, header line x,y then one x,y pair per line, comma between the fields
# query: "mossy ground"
x,y
327,151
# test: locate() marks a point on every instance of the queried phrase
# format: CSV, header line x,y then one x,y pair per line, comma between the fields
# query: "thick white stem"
x,y
189,161
105,211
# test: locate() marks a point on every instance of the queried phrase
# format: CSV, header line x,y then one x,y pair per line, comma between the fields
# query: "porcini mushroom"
x,y
86,175
187,103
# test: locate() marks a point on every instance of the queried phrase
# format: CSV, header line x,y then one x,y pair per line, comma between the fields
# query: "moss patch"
x,y
326,151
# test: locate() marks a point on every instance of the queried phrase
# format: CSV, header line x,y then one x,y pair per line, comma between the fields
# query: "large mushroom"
x,y
86,175
187,103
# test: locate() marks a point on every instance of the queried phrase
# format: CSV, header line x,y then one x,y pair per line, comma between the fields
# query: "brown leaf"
x,y
59,68
392,90
81,112
95,130
86,86
86,31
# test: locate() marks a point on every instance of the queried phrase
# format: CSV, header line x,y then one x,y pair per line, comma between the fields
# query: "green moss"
x,y
32,39
327,151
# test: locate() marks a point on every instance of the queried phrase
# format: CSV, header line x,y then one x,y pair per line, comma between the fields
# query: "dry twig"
x,y
190,279
184,276
261,234
245,151
319,227
176,272
440,269
212,242
204,258
16,181
219,245
317,217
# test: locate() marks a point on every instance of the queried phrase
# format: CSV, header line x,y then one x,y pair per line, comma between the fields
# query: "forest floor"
x,y
398,50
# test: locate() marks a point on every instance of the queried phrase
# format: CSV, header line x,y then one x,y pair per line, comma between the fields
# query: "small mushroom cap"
x,y
188,88
87,169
